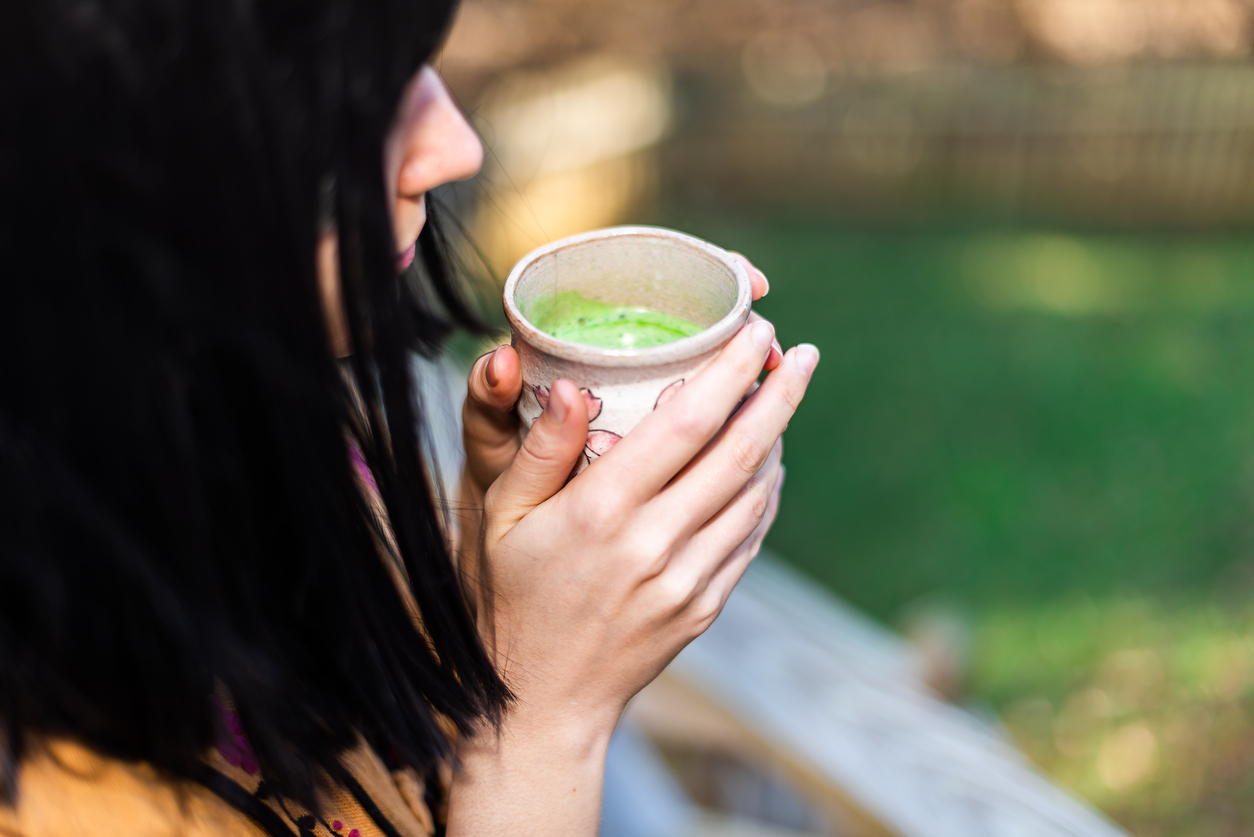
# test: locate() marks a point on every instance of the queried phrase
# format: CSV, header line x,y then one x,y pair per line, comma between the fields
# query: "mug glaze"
x,y
649,267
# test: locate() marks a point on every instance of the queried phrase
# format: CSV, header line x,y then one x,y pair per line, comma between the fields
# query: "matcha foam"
x,y
575,318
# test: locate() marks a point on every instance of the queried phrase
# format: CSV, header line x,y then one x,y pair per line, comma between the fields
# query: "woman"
x,y
211,619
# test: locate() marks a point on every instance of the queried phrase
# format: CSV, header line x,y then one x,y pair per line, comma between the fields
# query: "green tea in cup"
x,y
570,316
629,315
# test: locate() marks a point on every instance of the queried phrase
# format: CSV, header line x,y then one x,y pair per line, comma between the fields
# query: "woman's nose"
x,y
438,144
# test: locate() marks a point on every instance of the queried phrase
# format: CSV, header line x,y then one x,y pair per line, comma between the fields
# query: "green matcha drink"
x,y
575,318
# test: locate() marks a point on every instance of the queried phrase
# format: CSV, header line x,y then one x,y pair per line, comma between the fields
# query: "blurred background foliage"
x,y
1020,233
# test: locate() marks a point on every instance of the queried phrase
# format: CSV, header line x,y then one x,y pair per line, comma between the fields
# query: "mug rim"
x,y
704,341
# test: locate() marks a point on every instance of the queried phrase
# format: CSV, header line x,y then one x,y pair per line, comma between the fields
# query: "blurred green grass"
x,y
1051,432
1147,711
1013,416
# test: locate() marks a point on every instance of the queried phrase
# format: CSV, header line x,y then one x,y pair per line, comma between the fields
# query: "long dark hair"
x,y
178,507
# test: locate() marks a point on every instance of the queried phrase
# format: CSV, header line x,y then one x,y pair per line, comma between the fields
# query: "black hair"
x,y
178,507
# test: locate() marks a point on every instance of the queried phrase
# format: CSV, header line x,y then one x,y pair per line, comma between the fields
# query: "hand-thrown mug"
x,y
648,267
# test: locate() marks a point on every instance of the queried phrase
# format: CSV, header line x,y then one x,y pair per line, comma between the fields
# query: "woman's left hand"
x,y
489,422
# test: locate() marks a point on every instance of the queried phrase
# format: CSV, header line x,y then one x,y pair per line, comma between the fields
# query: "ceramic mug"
x,y
650,267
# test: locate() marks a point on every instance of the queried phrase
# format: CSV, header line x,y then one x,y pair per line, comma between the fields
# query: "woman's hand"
x,y
596,586
490,424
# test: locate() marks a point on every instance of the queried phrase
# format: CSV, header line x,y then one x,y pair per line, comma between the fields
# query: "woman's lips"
x,y
405,259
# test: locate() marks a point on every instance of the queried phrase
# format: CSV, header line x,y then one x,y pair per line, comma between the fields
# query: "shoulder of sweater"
x,y
67,790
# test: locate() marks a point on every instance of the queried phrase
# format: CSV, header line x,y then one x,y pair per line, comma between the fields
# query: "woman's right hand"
x,y
599,584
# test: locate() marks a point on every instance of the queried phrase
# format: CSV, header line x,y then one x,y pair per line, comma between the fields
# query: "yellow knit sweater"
x,y
66,790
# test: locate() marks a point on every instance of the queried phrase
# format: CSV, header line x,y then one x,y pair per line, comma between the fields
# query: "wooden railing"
x,y
796,686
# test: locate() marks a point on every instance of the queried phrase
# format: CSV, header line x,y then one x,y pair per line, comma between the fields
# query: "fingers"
x,y
489,425
548,454
715,558
777,354
761,287
772,510
672,434
728,574
738,521
757,279
496,380
741,449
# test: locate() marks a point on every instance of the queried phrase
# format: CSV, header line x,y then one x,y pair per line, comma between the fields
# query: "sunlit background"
x,y
1020,233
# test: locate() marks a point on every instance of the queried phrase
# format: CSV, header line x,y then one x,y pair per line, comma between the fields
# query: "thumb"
x,y
548,454
489,423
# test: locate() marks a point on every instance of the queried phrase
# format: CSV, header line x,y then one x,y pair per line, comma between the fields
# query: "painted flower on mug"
x,y
667,394
600,441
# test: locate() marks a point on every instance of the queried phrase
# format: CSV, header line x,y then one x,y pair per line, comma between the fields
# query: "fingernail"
x,y
763,334
489,371
807,356
558,408
766,282
775,345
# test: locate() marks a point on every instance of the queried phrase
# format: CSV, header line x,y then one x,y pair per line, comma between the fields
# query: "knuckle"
x,y
793,394
544,447
692,425
602,515
653,552
487,447
760,503
748,453
646,549
538,443
706,610
674,591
